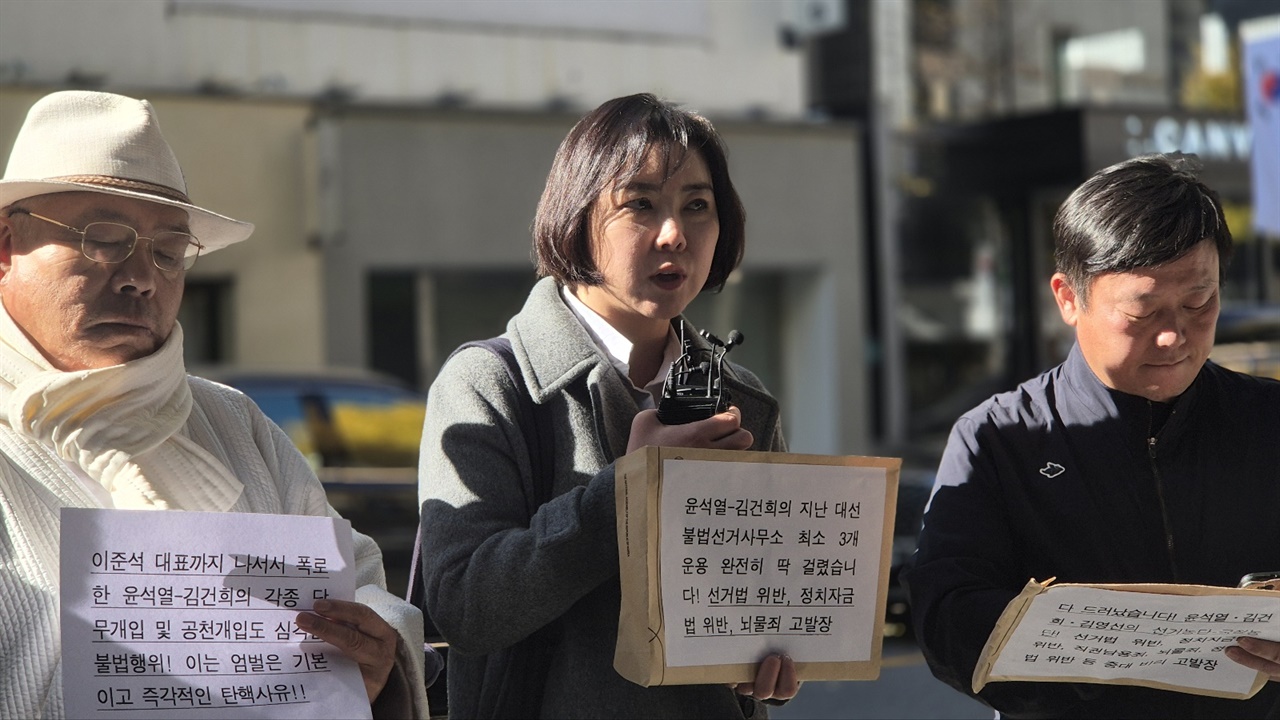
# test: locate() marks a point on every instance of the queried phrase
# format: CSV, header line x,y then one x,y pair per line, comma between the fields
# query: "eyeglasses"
x,y
112,243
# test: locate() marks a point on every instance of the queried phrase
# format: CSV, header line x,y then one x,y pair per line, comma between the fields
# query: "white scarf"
x,y
120,424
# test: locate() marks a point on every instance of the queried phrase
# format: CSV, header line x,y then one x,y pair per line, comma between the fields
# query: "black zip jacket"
x,y
1064,477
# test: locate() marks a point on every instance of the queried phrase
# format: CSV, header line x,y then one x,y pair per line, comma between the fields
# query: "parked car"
x,y
1248,339
360,430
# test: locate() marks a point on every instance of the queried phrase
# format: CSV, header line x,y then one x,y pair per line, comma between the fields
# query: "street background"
x,y
900,162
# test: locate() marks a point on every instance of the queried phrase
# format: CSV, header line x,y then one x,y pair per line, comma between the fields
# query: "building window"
x,y
955,311
205,315
393,325
1097,68
474,305
751,303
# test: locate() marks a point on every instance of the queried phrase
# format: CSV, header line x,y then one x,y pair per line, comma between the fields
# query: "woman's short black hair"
x,y
609,147
1143,212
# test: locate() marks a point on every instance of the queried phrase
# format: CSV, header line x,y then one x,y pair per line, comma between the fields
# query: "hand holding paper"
x,y
360,633
775,680
196,615
1256,654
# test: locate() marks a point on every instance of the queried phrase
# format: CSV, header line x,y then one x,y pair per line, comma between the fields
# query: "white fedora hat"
x,y
75,141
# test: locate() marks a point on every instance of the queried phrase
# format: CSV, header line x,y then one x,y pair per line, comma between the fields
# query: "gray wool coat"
x,y
492,576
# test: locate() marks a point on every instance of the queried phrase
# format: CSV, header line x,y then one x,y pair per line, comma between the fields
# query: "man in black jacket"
x,y
1134,461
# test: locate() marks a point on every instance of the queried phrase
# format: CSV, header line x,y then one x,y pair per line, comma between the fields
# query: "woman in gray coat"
x,y
638,217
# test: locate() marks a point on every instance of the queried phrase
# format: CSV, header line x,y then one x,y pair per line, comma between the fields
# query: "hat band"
x,y
125,184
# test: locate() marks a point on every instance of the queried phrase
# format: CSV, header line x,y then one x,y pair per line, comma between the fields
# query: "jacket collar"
x,y
554,350
1103,403
552,347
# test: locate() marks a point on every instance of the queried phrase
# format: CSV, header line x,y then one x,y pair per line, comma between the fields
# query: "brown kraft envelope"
x,y
640,654
1017,608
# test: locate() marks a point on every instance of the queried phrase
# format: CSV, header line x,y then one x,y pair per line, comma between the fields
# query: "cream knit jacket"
x,y
155,438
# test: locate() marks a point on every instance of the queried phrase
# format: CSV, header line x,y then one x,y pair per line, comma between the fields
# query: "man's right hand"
x,y
719,432
1257,654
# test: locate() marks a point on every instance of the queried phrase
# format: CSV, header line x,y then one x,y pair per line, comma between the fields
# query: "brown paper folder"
x,y
641,655
1018,608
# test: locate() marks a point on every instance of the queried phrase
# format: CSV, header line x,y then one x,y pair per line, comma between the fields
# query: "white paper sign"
x,y
191,615
762,558
1113,635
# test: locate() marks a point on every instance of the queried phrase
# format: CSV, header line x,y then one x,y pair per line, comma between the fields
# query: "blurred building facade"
x,y
392,155
983,115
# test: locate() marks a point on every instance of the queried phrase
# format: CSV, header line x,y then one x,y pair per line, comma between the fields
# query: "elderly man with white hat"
x,y
96,408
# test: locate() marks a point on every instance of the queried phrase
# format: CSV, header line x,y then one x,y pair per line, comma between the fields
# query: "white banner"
x,y
1262,99
193,615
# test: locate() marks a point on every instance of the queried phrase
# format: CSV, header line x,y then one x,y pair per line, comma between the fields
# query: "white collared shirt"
x,y
616,347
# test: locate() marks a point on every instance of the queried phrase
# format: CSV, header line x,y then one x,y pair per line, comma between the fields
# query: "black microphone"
x,y
693,389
